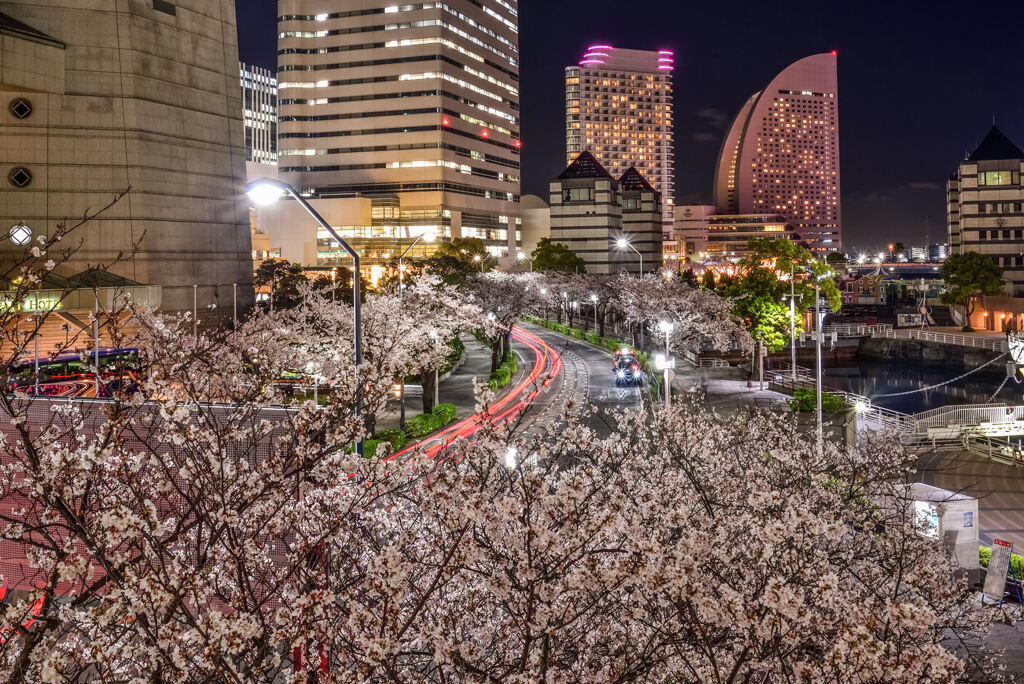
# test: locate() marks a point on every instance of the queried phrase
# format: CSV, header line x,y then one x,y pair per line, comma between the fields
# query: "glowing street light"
x,y
267,191
625,244
522,257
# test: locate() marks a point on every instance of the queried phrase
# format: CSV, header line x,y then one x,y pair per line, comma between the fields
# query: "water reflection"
x,y
873,379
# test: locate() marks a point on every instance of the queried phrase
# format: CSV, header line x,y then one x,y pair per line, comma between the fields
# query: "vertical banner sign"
x,y
998,566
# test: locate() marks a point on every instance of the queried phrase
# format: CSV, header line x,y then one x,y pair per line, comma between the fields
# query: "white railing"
x,y
996,344
714,363
863,330
968,416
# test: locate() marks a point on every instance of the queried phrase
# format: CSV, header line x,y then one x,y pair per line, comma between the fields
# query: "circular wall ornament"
x,y
19,177
21,234
20,108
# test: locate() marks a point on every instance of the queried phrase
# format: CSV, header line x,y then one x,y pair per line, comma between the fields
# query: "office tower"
x,y
618,107
986,208
781,154
414,108
591,211
259,113
98,97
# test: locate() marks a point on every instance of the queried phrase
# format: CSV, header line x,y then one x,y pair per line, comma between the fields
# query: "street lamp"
x,y
429,237
623,243
482,259
267,191
667,327
522,257
792,318
594,298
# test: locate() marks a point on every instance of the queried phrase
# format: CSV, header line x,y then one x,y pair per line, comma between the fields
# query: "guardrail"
x,y
995,344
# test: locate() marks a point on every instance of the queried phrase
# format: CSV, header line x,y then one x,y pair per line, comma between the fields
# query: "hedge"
x,y
1016,561
423,424
503,376
446,412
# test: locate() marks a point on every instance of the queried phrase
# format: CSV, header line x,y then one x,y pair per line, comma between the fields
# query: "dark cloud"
x,y
705,137
715,117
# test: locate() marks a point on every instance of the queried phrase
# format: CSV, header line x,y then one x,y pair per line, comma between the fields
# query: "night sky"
x,y
919,84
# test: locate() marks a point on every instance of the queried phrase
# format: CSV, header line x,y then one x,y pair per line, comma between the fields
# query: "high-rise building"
x,y
618,107
100,97
413,108
986,207
781,154
591,211
259,113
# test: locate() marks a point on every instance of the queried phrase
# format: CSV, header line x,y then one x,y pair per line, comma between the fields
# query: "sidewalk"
x,y
456,389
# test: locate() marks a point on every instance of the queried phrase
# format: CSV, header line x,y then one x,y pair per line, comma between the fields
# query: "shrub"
x,y
578,334
805,401
446,412
594,339
395,437
613,345
500,378
1016,561
423,424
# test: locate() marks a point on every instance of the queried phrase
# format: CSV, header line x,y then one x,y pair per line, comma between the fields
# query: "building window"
x,y
631,204
578,195
998,178
165,7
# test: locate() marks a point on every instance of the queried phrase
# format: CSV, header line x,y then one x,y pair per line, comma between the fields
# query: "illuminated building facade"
x,y
618,107
781,154
728,235
985,201
591,211
259,113
412,106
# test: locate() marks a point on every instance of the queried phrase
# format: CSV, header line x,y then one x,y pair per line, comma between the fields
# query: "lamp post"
x,y
818,339
792,318
268,191
594,298
667,327
429,237
522,257
623,243
334,277
482,259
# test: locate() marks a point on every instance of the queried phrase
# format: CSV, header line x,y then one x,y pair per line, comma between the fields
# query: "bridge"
x,y
993,343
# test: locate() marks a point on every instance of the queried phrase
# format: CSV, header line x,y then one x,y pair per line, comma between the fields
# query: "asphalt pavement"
x,y
586,377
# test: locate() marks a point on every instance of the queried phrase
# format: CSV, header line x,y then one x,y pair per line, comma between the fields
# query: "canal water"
x,y
875,379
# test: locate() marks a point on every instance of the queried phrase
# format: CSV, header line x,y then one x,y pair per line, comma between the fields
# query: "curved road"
x,y
555,370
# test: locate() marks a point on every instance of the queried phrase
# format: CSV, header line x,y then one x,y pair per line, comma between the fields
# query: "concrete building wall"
x,y
536,222
149,100
642,227
690,227
990,218
589,227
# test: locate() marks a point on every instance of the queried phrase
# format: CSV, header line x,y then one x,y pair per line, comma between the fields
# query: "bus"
x,y
71,374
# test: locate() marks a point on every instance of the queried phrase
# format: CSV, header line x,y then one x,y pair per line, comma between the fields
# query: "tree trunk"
x,y
600,318
427,382
495,354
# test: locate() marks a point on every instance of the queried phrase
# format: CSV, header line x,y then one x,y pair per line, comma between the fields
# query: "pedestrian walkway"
x,y
457,389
